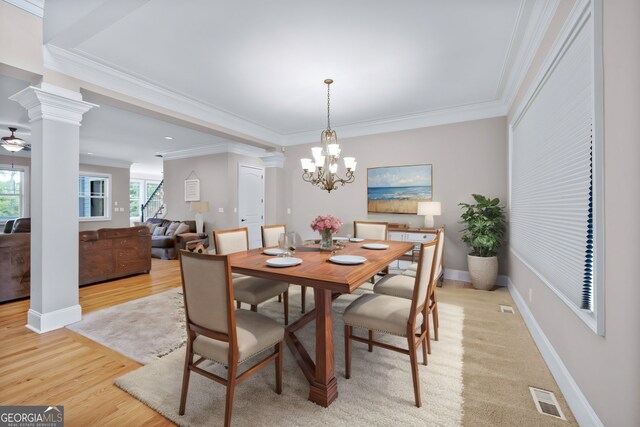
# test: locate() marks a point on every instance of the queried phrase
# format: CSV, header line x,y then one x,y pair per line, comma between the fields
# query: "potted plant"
x,y
483,232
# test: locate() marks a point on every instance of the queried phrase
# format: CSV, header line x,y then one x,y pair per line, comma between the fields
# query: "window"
x,y
139,192
135,198
13,193
555,169
94,195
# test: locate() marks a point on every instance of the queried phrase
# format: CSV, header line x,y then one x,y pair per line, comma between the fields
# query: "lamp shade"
x,y
429,208
199,206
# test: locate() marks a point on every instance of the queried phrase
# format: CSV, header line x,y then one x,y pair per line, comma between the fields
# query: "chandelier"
x,y
322,171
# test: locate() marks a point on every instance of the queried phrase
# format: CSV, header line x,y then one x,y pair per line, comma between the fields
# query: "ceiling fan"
x,y
13,143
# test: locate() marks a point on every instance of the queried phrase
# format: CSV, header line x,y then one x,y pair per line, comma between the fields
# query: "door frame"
x,y
240,166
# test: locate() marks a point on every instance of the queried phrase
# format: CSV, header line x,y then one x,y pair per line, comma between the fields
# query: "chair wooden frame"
x,y
303,289
285,296
193,330
422,338
386,233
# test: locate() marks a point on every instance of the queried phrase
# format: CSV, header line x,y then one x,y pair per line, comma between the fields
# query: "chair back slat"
x,y
231,241
425,275
271,234
208,293
370,230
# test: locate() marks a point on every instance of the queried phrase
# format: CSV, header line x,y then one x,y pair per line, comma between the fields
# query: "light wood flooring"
x,y
64,368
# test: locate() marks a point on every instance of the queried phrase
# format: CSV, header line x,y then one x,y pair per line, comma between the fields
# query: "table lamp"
x,y
429,209
198,208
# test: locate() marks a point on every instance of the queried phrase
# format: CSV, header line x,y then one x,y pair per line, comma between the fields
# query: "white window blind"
x,y
552,174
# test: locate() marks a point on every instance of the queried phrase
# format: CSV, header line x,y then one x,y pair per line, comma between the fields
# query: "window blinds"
x,y
551,207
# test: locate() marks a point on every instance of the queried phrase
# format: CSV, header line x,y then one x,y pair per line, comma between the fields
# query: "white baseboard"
x,y
45,322
463,276
582,410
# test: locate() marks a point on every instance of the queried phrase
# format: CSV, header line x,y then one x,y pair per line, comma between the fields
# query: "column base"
x,y
45,322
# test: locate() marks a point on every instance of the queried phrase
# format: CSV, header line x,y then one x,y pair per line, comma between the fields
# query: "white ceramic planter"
x,y
483,271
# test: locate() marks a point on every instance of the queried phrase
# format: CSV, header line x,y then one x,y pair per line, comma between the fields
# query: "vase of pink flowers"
x,y
326,225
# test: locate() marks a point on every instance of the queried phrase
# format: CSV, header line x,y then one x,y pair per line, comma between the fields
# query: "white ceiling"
x,y
263,63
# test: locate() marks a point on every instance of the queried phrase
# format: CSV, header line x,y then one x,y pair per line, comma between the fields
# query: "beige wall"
x,y
21,42
218,174
468,157
119,195
607,369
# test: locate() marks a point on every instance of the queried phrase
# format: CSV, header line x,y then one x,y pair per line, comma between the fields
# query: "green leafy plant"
x,y
484,225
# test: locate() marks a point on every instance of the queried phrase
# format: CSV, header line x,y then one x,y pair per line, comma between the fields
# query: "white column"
x,y
55,115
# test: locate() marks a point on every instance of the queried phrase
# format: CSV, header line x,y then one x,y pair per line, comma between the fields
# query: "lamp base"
x,y
428,221
199,223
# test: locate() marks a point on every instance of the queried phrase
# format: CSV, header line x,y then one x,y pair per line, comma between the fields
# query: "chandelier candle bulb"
x,y
306,164
334,149
349,162
312,167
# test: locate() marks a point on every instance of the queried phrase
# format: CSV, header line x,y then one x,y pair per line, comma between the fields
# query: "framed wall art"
x,y
398,189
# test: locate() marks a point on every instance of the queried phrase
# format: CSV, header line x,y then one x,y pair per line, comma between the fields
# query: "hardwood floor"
x,y
65,368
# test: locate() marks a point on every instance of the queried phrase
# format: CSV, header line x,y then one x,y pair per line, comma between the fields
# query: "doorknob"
x,y
243,220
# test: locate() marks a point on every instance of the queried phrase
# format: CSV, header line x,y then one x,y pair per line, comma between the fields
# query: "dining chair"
x,y
401,285
217,332
411,272
248,289
395,316
372,231
270,236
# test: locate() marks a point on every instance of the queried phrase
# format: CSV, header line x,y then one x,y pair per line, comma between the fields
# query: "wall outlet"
x,y
288,211
530,294
115,203
220,210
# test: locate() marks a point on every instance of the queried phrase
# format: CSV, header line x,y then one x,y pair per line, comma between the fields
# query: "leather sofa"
x,y
104,254
167,247
15,260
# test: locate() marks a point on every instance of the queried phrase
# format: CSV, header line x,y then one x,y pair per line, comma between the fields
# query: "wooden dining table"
x,y
328,280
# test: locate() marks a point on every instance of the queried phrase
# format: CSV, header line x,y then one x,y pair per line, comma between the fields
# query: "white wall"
x,y
468,157
606,369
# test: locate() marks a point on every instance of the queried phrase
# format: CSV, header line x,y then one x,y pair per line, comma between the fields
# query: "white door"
x,y
251,202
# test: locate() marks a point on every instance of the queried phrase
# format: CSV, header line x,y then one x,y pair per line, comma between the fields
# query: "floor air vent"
x,y
546,403
506,309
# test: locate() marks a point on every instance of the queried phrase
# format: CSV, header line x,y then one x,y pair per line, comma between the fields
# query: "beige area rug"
x,y
144,329
380,391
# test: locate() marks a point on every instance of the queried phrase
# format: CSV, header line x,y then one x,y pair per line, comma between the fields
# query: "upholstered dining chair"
x,y
248,289
373,231
270,236
217,332
401,285
395,316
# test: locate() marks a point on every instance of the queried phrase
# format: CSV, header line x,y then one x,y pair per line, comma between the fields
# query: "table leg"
x,y
324,389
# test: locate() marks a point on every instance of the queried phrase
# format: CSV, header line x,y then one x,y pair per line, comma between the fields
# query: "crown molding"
x,y
463,113
35,7
81,67
52,103
531,40
274,159
104,161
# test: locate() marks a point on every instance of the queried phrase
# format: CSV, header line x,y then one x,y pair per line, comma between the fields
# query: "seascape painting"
x,y
398,189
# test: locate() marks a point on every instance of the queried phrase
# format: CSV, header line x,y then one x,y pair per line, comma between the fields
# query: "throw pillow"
x,y
171,230
159,231
152,226
182,228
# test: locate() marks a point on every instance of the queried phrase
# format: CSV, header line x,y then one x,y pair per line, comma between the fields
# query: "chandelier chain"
x,y
328,107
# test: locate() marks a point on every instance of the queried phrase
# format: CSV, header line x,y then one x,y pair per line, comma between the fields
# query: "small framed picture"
x,y
191,190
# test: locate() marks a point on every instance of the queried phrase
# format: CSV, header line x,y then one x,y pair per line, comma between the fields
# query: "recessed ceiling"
x,y
265,62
